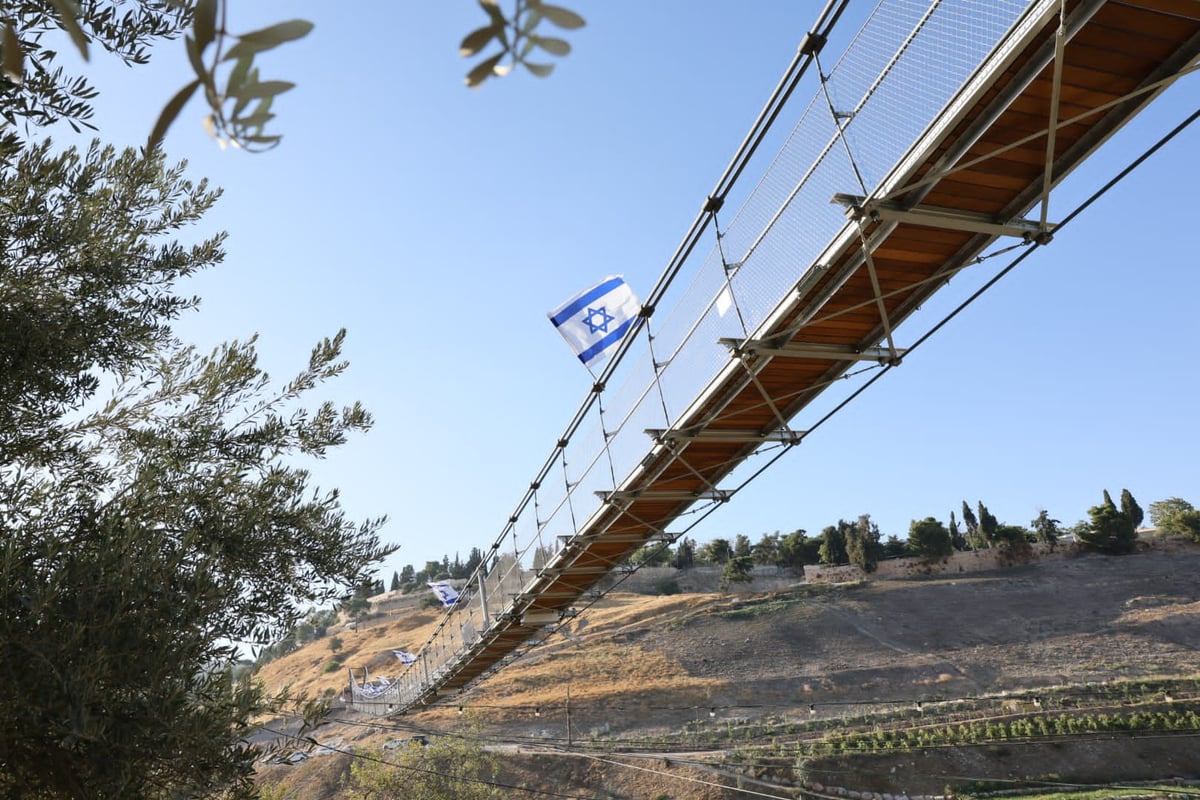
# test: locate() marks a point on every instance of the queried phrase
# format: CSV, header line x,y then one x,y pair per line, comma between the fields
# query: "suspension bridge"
x,y
933,142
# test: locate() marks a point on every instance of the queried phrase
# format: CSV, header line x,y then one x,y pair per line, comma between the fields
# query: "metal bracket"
x,y
857,207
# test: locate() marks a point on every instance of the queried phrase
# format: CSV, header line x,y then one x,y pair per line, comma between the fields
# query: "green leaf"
x,y
262,139
193,54
264,89
482,70
279,33
204,23
69,12
261,112
541,70
562,17
255,120
237,75
532,18
558,47
14,58
478,39
493,10
243,50
267,38
169,113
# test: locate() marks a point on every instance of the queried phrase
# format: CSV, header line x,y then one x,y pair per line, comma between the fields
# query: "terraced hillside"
x,y
708,672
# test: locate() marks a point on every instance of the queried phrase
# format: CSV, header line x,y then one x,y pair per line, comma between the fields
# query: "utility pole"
x,y
568,715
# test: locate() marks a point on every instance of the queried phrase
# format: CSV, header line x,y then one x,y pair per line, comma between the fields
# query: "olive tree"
x,y
152,531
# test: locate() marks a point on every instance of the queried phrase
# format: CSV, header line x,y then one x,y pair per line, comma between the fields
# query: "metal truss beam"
x,y
831,352
724,435
630,538
556,571
947,218
716,495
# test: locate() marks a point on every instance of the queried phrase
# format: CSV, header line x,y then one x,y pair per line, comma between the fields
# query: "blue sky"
x,y
439,225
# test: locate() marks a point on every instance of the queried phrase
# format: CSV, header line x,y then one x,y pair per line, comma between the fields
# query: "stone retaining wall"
x,y
650,580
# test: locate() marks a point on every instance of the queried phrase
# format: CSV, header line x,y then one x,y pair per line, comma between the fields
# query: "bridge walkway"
x,y
952,149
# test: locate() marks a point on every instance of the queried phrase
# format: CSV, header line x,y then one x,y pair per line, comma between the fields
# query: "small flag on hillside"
x,y
405,656
445,592
594,322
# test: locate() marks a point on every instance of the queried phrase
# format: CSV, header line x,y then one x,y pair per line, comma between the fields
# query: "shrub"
x,y
666,586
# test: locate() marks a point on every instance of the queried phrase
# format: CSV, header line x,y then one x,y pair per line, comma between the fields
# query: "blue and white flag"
x,y
596,320
405,656
445,592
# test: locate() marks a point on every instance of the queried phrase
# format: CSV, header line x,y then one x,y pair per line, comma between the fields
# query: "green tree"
x,y
321,620
895,547
685,554
448,768
1013,537
651,555
408,576
433,571
792,553
395,585
1175,517
929,539
972,526
86,279
766,550
863,546
956,538
738,569
1161,511
833,544
145,538
742,547
1045,528
35,88
1185,523
1131,509
1109,530
717,552
474,559
304,633
988,525
357,608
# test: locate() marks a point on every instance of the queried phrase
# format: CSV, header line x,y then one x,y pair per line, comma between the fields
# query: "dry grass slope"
x,y
641,667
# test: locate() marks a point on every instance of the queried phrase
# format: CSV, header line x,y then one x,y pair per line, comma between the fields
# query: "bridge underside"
x,y
1041,104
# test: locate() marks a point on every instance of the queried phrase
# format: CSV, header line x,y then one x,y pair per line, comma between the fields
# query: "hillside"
x,y
663,669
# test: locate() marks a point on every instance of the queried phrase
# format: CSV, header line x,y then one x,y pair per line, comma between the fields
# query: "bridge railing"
x,y
901,69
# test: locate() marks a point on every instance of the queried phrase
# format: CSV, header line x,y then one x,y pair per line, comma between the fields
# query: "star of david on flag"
x,y
405,656
594,321
445,592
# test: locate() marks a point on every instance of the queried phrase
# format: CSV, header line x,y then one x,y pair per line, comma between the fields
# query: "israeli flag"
x,y
445,592
405,656
593,322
